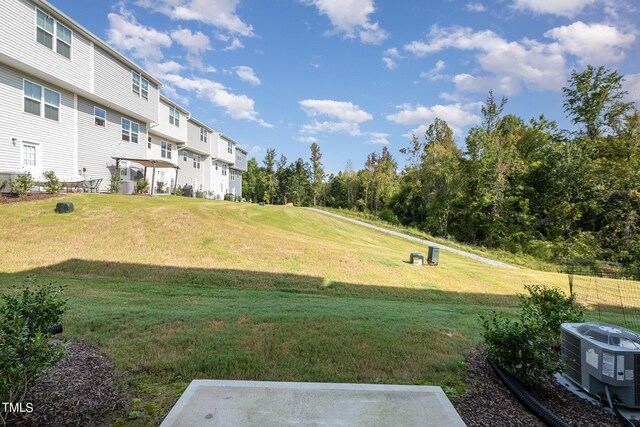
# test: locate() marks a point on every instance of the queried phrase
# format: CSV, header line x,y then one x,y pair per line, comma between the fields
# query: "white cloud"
x,y
140,41
246,73
568,8
332,127
168,67
527,63
351,18
235,44
434,73
379,138
195,43
219,13
632,85
308,139
456,115
238,107
475,7
593,43
389,58
344,111
256,149
505,85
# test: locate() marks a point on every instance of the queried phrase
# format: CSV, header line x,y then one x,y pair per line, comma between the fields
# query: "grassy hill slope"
x,y
175,289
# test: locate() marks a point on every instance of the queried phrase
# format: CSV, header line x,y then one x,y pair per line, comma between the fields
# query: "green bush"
x,y
22,185
52,185
114,184
180,191
142,186
229,197
529,348
25,349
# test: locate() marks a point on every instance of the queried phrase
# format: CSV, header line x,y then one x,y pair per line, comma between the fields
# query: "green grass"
x,y
174,289
523,260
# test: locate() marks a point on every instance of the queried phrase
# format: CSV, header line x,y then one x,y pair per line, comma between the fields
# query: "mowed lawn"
x,y
174,289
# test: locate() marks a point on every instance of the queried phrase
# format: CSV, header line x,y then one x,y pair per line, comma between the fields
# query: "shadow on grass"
x,y
259,281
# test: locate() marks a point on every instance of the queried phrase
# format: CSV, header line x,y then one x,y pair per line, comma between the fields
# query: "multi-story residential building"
x,y
72,104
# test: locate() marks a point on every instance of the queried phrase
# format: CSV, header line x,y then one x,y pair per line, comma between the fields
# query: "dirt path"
x,y
423,241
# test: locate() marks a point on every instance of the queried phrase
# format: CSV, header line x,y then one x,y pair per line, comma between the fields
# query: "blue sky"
x,y
354,75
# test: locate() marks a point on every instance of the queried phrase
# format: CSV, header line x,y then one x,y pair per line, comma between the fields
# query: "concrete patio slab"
x,y
266,404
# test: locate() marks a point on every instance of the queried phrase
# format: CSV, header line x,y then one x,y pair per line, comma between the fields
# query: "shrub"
x,y
22,185
52,185
142,186
180,191
529,347
230,197
25,350
199,194
114,184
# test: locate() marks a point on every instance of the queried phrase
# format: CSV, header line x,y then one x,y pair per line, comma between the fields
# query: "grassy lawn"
x,y
174,289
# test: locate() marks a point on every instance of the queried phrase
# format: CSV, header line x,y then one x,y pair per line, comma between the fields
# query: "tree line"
x,y
522,186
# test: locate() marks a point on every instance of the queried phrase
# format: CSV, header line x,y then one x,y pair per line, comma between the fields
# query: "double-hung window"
x,y
32,98
174,116
135,83
28,155
46,27
224,170
139,85
100,116
144,88
165,150
238,156
233,175
203,135
130,130
229,147
35,95
196,161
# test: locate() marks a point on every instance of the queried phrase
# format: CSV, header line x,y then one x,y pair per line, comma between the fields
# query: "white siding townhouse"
x,y
72,104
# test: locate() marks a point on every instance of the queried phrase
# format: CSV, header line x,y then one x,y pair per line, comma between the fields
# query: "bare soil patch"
x,y
488,402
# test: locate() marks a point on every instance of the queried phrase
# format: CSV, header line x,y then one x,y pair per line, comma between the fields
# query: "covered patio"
x,y
151,163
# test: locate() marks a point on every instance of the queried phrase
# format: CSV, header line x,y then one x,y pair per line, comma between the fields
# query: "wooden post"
x,y
145,172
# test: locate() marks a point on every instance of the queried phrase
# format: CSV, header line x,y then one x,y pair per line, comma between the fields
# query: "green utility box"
x,y
64,207
434,255
416,258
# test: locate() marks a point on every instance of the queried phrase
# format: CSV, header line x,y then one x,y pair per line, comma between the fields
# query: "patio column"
x,y
175,184
153,177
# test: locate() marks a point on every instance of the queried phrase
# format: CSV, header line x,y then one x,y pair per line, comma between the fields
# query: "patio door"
x,y
31,159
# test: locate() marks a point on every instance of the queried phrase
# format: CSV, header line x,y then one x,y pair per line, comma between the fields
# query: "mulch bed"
x,y
79,390
10,198
489,403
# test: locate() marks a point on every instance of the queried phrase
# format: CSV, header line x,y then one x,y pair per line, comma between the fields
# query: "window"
x,y
100,116
229,147
46,27
135,83
224,170
63,42
144,88
239,155
123,168
174,116
28,155
216,165
149,142
203,135
233,175
51,104
44,32
196,161
185,155
34,96
130,130
165,149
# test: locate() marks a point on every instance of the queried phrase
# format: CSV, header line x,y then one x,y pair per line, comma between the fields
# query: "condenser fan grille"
x,y
571,356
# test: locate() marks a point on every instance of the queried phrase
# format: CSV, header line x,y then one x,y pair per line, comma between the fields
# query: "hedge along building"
x,y
72,104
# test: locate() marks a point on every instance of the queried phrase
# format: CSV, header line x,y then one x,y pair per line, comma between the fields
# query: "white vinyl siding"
x,y
35,95
113,81
130,130
97,146
46,27
100,116
55,140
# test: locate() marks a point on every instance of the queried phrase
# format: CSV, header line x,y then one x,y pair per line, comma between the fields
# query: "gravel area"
x,y
423,241
488,403
77,391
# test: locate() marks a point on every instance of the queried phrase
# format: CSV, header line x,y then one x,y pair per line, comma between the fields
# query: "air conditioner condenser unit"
x,y
599,354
